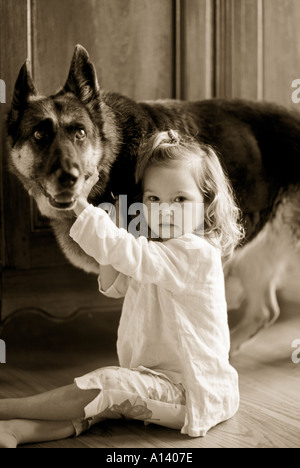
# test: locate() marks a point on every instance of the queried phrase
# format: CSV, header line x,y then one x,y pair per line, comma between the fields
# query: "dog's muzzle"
x,y
62,189
63,180
65,200
67,179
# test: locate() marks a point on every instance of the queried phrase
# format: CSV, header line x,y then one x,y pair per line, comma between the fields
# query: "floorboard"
x,y
42,355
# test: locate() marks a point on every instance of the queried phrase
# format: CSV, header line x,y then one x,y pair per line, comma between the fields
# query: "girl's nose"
x,y
167,212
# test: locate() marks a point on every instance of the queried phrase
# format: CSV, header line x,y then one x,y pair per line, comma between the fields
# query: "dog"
x,y
55,143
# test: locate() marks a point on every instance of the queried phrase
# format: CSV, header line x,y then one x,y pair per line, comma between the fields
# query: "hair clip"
x,y
173,136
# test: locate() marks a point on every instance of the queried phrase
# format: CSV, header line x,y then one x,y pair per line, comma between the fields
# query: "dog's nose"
x,y
67,179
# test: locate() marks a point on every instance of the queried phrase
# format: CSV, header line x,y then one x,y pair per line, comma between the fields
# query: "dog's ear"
x,y
24,88
82,79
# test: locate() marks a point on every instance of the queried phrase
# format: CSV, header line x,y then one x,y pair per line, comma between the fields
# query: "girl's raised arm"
x,y
170,264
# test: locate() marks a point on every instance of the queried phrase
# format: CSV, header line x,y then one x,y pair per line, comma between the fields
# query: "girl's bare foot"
x,y
25,431
8,438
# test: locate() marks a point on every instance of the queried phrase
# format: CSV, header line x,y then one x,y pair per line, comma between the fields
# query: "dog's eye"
x,y
80,134
38,135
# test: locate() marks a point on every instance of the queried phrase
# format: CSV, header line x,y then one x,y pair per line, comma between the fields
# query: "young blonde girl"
x,y
173,338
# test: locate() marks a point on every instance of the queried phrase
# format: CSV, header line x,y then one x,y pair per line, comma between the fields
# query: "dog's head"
x,y
55,142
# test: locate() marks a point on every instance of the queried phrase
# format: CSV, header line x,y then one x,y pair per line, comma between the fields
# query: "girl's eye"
x,y
180,199
152,198
80,134
39,135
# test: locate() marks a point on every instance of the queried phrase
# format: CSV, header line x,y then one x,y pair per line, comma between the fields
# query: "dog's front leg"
x,y
253,277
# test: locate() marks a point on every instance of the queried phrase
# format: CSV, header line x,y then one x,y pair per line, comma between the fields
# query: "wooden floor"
x,y
42,355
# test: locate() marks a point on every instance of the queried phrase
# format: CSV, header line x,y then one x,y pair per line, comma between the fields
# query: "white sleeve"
x,y
118,289
167,264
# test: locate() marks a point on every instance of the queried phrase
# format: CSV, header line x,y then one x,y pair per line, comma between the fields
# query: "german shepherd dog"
x,y
56,142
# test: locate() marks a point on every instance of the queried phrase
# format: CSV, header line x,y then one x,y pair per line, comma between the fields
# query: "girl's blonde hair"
x,y
222,217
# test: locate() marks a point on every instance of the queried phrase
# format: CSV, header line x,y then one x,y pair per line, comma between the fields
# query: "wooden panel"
x,y
239,49
58,292
20,238
197,49
281,49
129,41
16,208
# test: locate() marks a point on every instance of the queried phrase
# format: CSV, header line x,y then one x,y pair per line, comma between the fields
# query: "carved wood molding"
x,y
57,292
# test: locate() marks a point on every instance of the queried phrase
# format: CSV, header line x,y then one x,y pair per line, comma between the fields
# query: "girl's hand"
x,y
82,202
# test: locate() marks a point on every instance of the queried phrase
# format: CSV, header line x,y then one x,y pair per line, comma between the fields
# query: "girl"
x,y
173,338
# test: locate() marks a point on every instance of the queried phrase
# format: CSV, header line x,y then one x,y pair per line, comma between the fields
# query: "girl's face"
x,y
173,203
